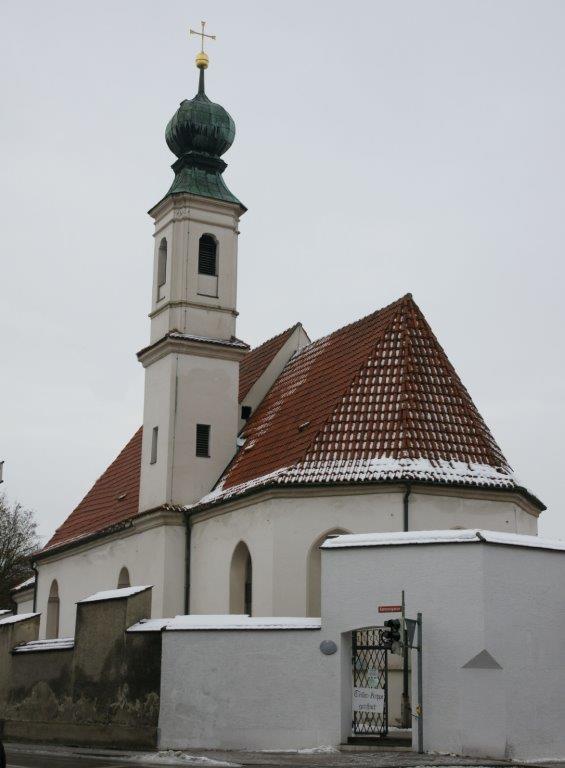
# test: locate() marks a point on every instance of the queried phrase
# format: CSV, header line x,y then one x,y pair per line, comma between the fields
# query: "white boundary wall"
x,y
245,688
474,596
273,688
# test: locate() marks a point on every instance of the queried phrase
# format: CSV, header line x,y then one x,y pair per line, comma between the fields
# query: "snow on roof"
x,y
226,621
149,625
441,537
114,594
24,585
58,644
4,611
17,617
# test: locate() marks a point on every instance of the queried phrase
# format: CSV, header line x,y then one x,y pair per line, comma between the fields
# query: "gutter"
x,y
269,486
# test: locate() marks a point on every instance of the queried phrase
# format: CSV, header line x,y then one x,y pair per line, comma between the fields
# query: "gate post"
x,y
419,708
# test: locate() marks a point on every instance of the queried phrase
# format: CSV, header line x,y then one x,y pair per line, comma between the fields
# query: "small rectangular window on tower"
x,y
203,440
154,438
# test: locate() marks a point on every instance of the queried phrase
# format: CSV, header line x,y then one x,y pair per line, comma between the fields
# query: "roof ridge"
x,y
364,318
276,336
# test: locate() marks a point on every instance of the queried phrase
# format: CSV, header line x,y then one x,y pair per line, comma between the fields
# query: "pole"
x,y
406,716
419,708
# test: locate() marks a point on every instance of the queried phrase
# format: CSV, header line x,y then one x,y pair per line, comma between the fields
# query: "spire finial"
x,y
202,57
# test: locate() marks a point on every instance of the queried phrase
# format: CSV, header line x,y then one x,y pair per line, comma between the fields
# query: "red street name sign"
x,y
390,609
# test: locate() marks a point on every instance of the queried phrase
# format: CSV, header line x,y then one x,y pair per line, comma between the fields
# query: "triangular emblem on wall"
x,y
482,660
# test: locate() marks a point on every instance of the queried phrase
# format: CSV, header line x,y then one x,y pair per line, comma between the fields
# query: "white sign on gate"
x,y
369,700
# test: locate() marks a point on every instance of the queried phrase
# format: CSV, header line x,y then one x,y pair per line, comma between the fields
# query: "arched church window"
x,y
123,578
207,253
52,628
241,581
314,576
161,268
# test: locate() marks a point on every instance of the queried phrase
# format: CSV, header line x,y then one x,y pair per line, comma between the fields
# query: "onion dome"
x,y
199,133
200,126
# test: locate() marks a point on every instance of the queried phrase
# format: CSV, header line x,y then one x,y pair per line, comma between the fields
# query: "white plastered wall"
x,y
279,532
24,601
473,597
153,557
182,220
182,391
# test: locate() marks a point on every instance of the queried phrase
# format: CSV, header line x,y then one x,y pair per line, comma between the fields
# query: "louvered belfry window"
x,y
203,440
207,249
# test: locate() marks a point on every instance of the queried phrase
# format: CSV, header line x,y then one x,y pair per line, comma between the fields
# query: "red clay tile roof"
x,y
113,498
254,363
375,401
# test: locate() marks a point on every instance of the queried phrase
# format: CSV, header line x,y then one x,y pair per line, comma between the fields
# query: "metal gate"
x,y
370,688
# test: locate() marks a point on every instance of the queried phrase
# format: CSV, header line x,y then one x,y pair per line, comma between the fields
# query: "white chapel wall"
x,y
279,533
24,602
153,557
474,597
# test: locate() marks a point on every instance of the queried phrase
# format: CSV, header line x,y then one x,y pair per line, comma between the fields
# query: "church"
x,y
249,459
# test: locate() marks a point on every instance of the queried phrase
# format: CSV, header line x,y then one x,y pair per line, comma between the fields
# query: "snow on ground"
x,y
174,757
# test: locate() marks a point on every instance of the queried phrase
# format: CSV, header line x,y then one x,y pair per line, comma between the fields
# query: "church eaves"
x,y
376,401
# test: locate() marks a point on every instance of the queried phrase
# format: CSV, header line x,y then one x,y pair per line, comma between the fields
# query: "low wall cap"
x,y
397,538
114,594
226,621
17,618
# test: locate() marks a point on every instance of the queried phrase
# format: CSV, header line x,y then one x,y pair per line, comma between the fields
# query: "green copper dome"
x,y
198,134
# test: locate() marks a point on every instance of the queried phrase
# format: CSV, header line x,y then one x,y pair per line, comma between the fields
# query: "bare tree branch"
x,y
18,541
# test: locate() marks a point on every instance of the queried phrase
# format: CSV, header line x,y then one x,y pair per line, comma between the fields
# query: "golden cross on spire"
x,y
201,58
202,35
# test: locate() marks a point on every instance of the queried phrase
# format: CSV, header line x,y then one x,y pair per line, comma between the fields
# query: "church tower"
x,y
190,418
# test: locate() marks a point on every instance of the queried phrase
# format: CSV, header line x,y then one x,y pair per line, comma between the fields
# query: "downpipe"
x,y
405,709
188,542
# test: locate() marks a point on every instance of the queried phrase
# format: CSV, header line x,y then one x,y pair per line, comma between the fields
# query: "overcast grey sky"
x,y
382,147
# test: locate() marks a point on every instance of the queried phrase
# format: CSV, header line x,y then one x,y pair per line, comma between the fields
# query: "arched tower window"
x,y
241,581
314,578
123,578
52,629
207,255
161,268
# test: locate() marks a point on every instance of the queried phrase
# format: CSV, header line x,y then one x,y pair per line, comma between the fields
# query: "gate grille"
x,y
370,671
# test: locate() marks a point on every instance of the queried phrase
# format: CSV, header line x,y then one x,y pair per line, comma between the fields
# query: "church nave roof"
x,y
375,401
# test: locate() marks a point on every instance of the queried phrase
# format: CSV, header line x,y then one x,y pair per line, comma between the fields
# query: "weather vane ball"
x,y
201,57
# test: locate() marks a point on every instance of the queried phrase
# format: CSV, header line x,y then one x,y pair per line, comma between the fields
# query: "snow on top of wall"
x,y
17,617
224,621
441,537
5,611
227,621
24,584
57,644
149,625
114,594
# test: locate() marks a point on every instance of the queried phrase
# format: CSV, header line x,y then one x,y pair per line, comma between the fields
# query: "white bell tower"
x,y
190,418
